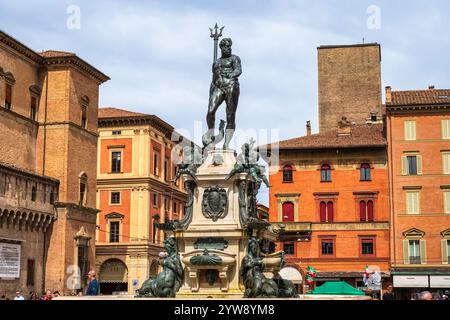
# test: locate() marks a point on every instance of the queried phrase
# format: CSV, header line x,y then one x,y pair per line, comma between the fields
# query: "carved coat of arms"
x,y
215,203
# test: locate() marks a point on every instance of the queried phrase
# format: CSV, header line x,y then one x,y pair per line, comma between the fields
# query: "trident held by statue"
x,y
216,34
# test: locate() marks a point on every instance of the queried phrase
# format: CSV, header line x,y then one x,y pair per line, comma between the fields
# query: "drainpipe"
x,y
391,193
44,144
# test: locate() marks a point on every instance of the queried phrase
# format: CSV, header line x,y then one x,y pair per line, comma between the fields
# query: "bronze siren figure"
x,y
224,87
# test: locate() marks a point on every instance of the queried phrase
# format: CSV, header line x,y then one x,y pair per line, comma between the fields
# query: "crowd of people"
x,y
92,289
424,295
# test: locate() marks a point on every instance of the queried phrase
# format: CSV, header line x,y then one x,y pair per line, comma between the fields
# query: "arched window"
x,y
33,193
326,173
83,189
326,212
288,212
366,211
365,172
287,174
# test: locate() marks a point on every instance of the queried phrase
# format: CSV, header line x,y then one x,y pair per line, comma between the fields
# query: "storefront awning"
x,y
440,282
411,281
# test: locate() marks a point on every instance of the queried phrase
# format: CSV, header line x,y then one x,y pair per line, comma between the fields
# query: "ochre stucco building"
x,y
419,163
134,191
48,110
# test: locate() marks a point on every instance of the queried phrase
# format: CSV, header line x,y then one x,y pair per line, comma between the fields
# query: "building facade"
x,y
419,163
49,105
331,195
134,191
349,84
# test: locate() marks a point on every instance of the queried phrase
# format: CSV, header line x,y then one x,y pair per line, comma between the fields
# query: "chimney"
x,y
345,127
308,128
431,87
388,95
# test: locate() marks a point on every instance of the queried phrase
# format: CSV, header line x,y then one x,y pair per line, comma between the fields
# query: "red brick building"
x,y
48,128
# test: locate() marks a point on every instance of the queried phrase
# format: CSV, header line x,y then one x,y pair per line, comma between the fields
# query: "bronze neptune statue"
x,y
224,88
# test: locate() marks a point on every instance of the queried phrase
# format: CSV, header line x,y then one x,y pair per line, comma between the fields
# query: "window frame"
x,y
289,243
363,175
8,92
288,174
408,211
111,167
331,240
445,164
115,222
367,239
156,165
326,173
410,130
111,198
82,195
445,126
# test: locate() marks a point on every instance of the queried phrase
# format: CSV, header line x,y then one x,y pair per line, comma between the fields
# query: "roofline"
x,y
152,120
36,57
372,44
329,148
27,173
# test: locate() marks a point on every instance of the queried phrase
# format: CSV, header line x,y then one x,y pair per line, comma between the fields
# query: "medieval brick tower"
x,y
349,84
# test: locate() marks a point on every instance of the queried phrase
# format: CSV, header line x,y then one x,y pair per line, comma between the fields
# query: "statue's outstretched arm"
x,y
237,70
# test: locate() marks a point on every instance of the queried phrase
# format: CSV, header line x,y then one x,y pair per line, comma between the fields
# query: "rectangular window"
x,y
33,108
446,163
116,162
175,207
289,248
448,251
410,130
30,272
114,231
8,96
414,252
447,202
413,202
84,117
116,133
155,164
411,165
82,193
327,247
367,247
115,197
166,207
155,200
446,129
166,171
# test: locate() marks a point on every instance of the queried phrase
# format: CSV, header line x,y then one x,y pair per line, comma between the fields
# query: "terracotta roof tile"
x,y
55,53
108,112
369,135
420,97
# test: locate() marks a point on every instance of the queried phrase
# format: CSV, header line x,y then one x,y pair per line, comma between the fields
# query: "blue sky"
x,y
158,53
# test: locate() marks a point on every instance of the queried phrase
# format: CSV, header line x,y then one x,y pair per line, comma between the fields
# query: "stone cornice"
x,y
69,123
68,61
392,109
61,205
20,48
